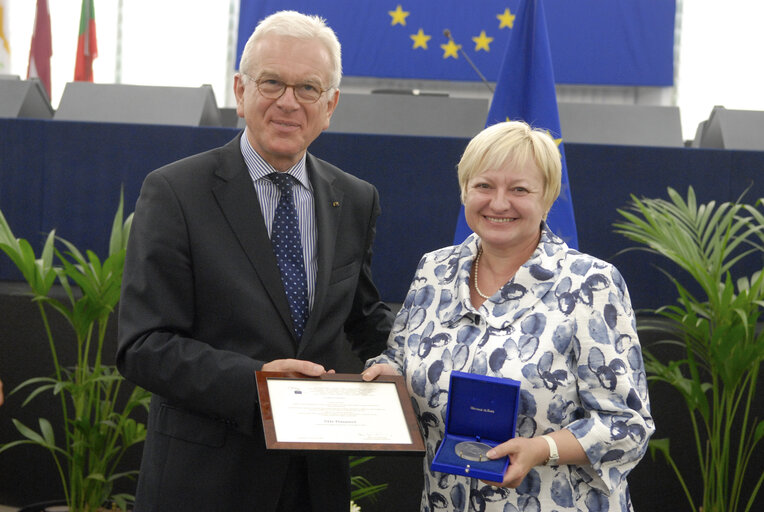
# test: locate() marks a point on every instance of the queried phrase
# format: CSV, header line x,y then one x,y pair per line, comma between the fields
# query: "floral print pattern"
x,y
563,327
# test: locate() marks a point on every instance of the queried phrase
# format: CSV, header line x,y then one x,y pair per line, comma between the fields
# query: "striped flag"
x,y
525,91
41,48
87,47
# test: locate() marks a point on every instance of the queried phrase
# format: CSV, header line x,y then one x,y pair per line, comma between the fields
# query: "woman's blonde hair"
x,y
513,143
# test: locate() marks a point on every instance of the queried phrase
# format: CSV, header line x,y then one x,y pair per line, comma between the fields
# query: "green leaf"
x,y
659,446
47,432
121,500
355,460
118,238
117,476
29,433
758,432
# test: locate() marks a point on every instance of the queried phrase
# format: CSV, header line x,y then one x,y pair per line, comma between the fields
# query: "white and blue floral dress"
x,y
563,327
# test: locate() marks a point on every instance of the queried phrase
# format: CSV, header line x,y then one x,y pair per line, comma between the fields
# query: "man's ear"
x,y
238,91
333,101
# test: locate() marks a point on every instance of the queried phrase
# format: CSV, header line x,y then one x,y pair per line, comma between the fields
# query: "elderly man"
x,y
252,256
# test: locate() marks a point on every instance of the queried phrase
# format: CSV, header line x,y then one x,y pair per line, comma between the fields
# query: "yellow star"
x,y
482,42
556,141
506,19
451,49
398,15
420,39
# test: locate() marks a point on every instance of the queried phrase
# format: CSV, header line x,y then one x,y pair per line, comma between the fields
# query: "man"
x,y
204,303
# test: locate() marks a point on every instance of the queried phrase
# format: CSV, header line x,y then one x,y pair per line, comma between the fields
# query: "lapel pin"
x,y
335,203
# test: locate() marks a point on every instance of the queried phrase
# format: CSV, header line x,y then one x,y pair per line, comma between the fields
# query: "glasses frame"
x,y
259,81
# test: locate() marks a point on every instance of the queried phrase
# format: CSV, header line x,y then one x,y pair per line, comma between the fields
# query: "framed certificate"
x,y
337,412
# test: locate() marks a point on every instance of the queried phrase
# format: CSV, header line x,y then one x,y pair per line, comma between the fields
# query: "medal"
x,y
472,450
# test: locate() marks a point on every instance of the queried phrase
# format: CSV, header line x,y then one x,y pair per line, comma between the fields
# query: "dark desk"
x,y
68,175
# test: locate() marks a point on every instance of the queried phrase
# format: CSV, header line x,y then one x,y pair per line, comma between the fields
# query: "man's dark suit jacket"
x,y
203,307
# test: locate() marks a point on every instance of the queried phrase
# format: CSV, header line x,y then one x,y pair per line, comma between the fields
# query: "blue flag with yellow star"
x,y
525,91
613,42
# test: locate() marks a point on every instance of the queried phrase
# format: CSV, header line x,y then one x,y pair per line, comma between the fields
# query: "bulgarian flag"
x,y
87,48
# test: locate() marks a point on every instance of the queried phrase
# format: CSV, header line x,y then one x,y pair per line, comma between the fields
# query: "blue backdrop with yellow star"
x,y
613,42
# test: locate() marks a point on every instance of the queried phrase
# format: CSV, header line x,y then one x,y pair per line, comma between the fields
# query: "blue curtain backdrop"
x,y
617,42
525,91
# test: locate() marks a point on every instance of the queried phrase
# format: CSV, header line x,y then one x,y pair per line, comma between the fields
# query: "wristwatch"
x,y
554,456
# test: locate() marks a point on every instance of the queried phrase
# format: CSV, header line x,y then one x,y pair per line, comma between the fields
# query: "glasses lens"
x,y
271,88
308,93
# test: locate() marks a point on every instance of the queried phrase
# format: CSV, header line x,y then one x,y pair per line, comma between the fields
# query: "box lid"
x,y
482,407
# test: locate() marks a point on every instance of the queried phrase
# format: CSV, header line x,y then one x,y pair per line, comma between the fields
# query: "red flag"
x,y
87,47
41,48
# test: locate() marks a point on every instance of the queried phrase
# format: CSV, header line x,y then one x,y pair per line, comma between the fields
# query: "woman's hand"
x,y
374,371
524,453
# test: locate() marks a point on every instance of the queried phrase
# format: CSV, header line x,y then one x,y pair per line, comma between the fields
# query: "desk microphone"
x,y
447,33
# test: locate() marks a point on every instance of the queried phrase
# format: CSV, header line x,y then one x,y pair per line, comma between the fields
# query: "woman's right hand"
x,y
374,371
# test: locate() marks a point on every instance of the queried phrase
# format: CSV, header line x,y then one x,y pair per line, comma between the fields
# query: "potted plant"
x,y
98,423
716,325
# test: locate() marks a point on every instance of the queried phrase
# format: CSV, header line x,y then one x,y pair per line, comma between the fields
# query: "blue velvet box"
x,y
482,409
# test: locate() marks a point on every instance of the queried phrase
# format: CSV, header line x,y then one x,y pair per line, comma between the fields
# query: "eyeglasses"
x,y
273,89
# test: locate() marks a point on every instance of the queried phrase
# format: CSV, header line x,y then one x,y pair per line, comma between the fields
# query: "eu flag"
x,y
613,42
525,91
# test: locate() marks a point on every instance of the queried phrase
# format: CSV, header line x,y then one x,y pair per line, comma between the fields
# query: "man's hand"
x,y
295,365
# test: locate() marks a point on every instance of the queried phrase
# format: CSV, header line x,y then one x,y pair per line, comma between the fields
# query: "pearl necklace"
x,y
477,266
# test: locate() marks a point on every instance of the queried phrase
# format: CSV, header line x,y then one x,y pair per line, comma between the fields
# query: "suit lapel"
x,y
236,196
327,201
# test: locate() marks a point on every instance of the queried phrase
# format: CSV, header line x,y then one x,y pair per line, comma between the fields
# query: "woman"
x,y
513,300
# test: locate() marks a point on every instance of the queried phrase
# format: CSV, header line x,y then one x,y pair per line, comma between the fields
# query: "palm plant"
x,y
97,423
718,332
361,487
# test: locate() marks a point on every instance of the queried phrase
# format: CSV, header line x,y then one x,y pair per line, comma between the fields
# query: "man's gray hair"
x,y
300,26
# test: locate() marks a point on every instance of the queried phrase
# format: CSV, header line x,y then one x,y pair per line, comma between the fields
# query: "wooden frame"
x,y
415,446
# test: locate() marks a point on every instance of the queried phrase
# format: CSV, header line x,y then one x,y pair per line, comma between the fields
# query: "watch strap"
x,y
554,455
